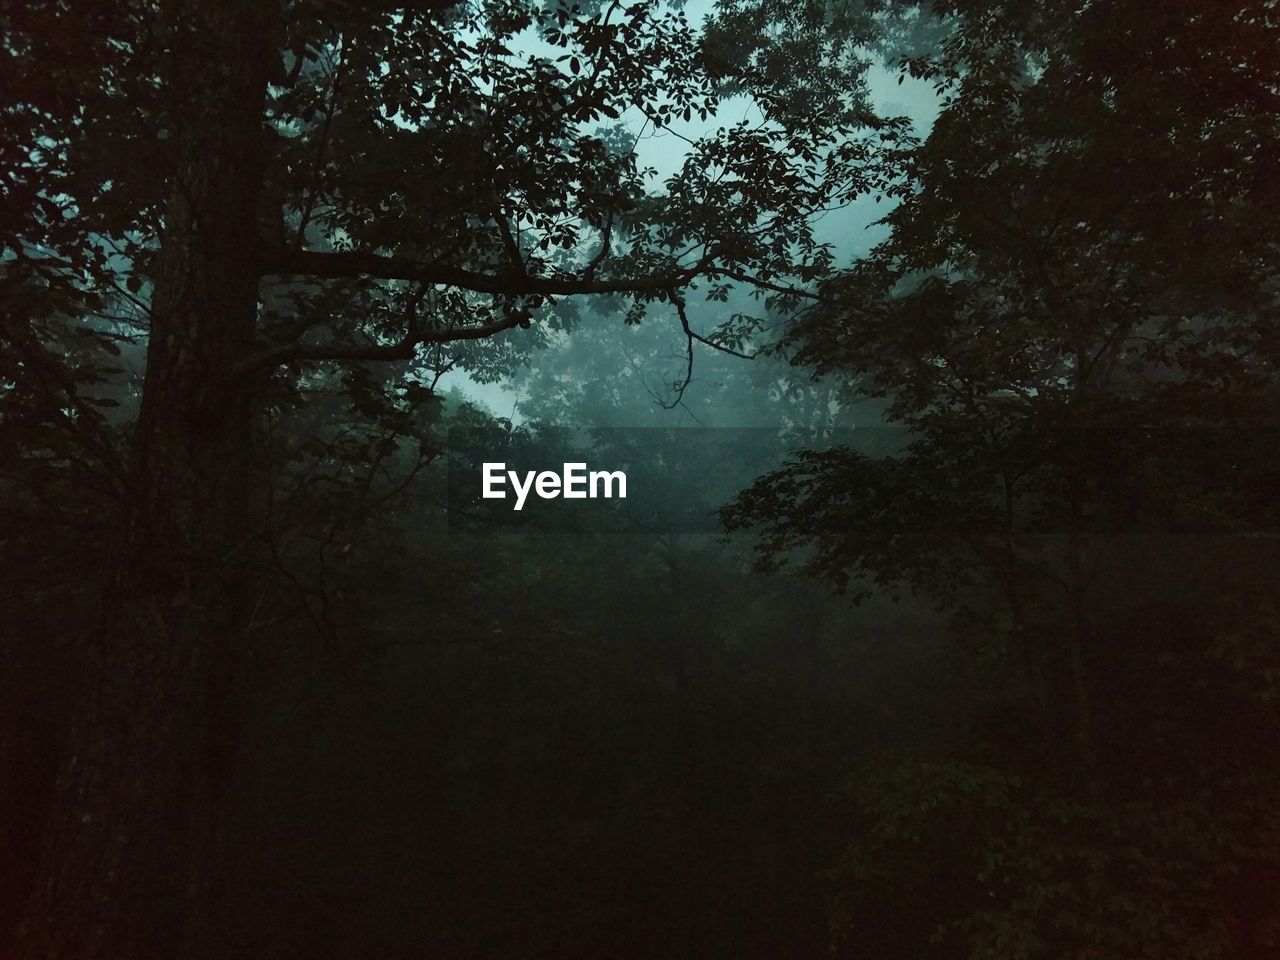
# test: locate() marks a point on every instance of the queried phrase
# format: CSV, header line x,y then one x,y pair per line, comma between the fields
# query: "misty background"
x,y
941,355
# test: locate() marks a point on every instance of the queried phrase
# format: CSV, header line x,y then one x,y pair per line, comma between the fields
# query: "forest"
x,y
938,340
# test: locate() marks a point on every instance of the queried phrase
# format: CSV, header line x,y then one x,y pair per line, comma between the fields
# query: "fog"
x,y
882,394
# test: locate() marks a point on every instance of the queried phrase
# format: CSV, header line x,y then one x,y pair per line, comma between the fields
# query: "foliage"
x,y
1073,320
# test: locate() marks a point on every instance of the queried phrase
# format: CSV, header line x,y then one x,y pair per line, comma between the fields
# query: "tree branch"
x,y
681,385
606,240
341,264
404,349
322,145
719,346
744,277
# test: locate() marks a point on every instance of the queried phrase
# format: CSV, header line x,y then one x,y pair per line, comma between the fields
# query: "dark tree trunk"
x,y
128,856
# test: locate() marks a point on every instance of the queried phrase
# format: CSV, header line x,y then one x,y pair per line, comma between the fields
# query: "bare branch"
x,y
682,385
690,337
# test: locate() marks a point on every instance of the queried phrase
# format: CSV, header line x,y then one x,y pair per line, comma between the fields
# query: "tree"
x,y
1073,322
286,185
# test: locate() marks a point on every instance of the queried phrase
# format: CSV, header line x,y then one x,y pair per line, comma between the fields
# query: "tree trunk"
x,y
127,857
